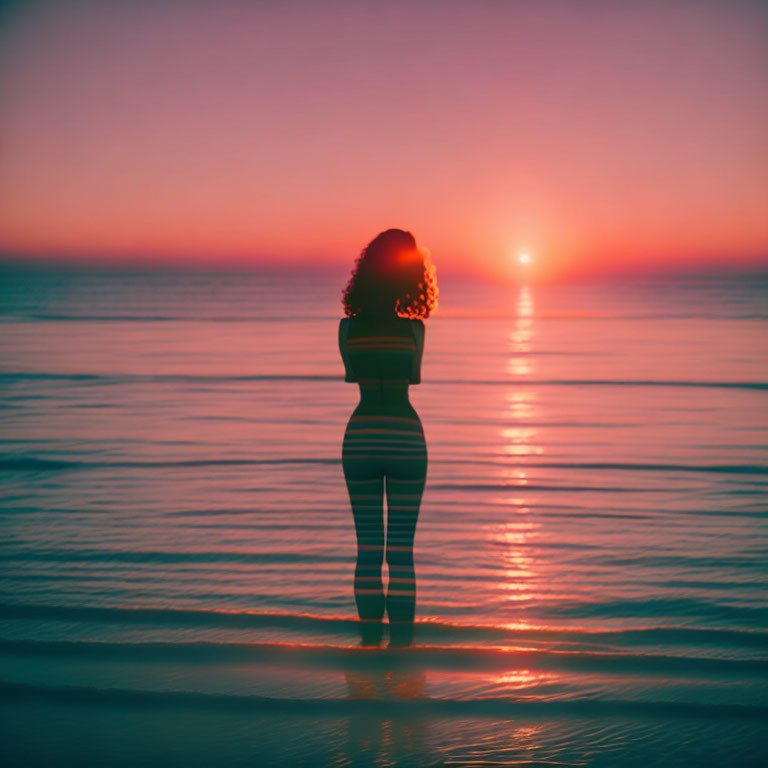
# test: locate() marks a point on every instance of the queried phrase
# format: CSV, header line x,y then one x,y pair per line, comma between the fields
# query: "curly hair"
x,y
392,273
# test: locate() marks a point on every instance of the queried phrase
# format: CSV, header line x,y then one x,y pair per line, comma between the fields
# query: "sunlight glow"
x,y
524,258
522,333
524,678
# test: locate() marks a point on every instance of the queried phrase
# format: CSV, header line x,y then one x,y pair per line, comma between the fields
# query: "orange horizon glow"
x,y
593,137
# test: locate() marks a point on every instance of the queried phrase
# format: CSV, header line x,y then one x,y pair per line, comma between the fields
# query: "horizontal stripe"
x,y
402,339
376,417
388,381
366,431
412,453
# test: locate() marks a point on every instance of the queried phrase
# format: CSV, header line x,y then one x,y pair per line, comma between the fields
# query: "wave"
x,y
323,707
123,556
665,606
537,487
123,378
251,318
427,628
207,378
32,463
35,464
423,656
729,469
760,385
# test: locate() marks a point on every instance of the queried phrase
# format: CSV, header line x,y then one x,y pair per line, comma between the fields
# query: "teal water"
x,y
177,547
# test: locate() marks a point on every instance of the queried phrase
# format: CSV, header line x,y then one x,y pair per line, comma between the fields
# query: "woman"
x,y
381,339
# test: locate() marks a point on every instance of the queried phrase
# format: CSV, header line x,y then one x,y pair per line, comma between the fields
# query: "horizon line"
x,y
145,263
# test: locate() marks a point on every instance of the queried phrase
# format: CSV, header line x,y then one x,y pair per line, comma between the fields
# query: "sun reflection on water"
x,y
521,404
518,563
514,536
521,335
524,678
519,441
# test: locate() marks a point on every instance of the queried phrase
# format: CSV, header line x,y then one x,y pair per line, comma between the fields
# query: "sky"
x,y
591,135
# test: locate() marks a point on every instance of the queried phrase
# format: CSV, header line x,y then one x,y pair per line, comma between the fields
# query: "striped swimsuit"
x,y
384,436
384,452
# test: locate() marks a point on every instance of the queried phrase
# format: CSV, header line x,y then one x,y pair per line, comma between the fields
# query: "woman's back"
x,y
381,353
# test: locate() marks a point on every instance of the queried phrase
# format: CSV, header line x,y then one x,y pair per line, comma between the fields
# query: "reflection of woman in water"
x,y
381,339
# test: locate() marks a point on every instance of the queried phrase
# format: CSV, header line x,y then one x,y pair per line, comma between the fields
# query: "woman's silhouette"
x,y
381,339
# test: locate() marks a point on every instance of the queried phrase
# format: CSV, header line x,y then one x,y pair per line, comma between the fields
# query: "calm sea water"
x,y
177,546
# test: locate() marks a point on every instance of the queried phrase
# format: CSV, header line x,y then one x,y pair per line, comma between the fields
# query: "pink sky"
x,y
585,133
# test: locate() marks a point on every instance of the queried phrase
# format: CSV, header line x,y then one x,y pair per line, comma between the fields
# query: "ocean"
x,y
177,545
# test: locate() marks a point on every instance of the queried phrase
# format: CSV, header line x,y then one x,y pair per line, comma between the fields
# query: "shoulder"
x,y
418,326
417,331
343,329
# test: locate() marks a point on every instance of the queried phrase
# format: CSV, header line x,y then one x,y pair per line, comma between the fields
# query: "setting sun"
x,y
381,382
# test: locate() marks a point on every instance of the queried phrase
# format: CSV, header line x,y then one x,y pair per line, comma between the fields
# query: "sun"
x,y
524,258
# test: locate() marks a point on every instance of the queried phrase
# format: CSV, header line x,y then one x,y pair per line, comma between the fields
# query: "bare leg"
x,y
367,499
403,501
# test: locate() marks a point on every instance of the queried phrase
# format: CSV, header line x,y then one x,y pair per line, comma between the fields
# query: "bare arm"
x,y
418,335
343,333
